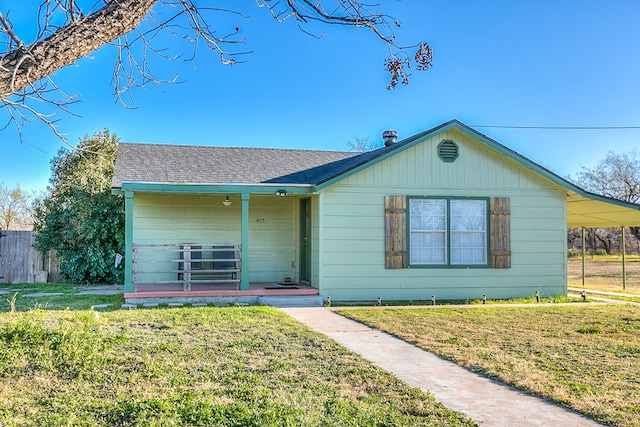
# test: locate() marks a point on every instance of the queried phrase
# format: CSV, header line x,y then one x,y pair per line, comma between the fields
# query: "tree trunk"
x,y
605,237
24,66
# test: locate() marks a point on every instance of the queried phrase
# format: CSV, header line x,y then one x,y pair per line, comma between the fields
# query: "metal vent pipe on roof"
x,y
389,137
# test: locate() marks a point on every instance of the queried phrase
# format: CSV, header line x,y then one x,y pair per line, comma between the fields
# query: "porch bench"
x,y
158,264
221,265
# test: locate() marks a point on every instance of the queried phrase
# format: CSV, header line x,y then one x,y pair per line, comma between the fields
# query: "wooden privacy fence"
x,y
20,262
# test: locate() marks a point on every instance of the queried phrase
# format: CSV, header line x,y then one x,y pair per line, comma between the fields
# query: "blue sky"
x,y
498,62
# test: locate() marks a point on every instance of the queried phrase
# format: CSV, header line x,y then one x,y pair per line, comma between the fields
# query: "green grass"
x,y
559,299
605,257
418,303
620,297
249,366
69,300
586,357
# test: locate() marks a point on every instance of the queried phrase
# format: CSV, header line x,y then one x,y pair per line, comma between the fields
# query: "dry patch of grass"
x,y
584,357
604,273
251,366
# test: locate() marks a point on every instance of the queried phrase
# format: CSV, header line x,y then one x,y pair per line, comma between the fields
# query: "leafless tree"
x,y
616,176
362,144
68,30
16,211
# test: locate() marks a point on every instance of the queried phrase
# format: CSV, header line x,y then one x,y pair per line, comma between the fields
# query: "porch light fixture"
x,y
281,193
226,201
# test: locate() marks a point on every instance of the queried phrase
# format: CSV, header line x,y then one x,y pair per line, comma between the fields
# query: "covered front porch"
x,y
206,274
217,244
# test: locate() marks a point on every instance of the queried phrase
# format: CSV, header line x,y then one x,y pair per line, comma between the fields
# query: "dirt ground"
x,y
605,274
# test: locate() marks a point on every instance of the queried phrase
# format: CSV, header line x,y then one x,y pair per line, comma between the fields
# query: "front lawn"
x,y
233,366
52,296
586,357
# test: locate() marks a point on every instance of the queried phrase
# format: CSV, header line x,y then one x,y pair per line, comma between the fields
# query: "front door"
x,y
305,240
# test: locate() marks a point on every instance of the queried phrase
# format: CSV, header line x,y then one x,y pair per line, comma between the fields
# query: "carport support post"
x,y
584,253
244,242
624,264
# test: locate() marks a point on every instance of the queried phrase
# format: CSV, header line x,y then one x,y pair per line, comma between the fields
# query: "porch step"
x,y
273,300
283,301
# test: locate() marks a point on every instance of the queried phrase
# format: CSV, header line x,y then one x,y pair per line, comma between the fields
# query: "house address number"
x,y
261,220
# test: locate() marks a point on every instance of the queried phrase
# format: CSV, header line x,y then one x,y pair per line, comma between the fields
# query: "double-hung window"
x,y
448,231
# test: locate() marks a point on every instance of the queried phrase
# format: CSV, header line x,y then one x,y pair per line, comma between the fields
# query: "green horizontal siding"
x,y
164,218
352,226
476,168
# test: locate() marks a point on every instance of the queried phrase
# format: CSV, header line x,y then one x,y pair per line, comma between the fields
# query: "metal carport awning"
x,y
589,210
594,211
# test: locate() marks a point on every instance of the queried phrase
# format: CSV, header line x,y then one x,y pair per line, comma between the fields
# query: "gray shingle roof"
x,y
215,165
218,165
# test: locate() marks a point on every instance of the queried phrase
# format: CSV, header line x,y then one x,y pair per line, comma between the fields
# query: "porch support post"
x,y
128,242
584,254
624,263
244,242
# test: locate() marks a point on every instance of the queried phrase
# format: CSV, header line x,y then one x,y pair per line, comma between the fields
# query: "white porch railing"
x,y
186,264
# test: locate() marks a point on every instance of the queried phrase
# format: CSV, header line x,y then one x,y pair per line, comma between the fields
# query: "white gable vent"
x,y
448,151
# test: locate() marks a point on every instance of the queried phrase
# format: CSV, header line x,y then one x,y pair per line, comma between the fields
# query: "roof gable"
x,y
584,209
386,152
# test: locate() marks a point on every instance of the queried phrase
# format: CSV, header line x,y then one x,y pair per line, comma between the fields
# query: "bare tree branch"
x,y
9,30
22,67
362,144
68,30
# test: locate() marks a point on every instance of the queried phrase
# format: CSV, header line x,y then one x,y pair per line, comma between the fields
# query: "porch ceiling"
x,y
585,211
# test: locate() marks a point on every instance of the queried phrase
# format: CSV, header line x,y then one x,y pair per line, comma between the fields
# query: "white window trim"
x,y
448,258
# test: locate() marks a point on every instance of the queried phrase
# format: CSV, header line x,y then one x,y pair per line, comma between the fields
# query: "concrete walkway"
x,y
602,296
487,402
600,293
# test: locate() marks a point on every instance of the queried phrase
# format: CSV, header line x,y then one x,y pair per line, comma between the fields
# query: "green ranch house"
x,y
448,213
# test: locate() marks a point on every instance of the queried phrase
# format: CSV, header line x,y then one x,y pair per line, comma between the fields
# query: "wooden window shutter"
x,y
500,228
395,213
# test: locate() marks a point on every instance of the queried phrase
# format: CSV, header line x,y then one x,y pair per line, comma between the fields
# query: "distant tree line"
x,y
602,241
